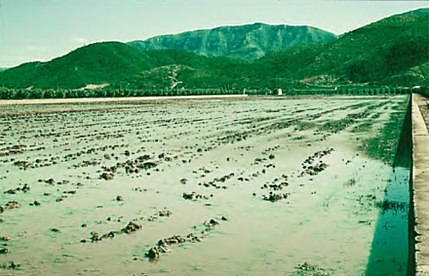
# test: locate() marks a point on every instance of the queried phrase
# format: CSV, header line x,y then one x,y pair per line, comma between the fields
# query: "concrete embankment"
x,y
420,192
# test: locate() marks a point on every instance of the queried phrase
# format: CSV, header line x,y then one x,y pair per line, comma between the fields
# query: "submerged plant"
x,y
350,182
308,269
386,205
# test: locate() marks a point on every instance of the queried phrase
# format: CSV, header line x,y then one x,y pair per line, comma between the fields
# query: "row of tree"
x,y
8,93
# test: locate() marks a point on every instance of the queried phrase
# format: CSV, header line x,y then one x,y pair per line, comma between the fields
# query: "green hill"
x,y
379,50
181,69
245,42
115,63
95,63
372,54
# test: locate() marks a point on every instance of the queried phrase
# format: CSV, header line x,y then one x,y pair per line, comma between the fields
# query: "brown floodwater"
x,y
285,180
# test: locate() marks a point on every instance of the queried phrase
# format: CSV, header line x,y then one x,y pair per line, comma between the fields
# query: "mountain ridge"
x,y
249,41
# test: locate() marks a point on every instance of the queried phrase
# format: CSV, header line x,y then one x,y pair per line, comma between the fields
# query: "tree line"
x,y
14,93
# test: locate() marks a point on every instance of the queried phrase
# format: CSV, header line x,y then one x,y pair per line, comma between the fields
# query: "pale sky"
x,y
40,30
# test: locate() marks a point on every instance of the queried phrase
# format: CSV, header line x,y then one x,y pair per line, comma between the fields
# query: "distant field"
x,y
114,100
226,186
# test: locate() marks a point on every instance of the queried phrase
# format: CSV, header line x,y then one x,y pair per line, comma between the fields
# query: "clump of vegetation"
x,y
308,269
350,183
10,265
387,205
384,146
362,127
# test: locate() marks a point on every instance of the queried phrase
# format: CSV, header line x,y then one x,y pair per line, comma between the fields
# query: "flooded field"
x,y
249,186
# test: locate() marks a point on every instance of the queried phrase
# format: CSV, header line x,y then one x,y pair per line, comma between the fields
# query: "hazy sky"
x,y
43,29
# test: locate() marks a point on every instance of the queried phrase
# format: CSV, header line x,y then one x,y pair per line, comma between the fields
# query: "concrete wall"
x,y
420,189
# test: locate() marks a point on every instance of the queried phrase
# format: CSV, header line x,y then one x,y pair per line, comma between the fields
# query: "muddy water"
x,y
325,210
